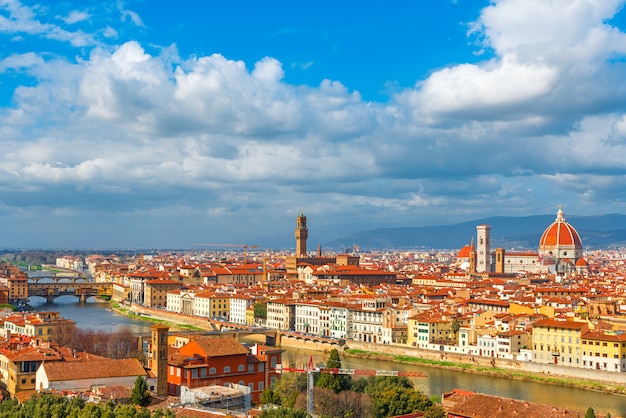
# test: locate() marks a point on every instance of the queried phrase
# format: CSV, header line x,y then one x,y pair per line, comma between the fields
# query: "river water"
x,y
97,316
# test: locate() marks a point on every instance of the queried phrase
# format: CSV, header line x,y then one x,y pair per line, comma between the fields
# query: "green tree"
x,y
335,382
395,396
455,327
435,411
260,310
140,394
270,397
590,413
359,385
284,413
288,387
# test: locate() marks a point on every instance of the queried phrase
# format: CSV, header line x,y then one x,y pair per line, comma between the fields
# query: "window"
x,y
212,370
226,369
260,385
241,368
261,367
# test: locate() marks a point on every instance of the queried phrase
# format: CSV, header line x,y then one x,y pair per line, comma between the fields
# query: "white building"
x,y
281,314
487,345
338,315
366,322
238,306
307,319
82,375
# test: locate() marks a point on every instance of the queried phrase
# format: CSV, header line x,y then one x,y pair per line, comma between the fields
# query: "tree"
x,y
590,413
140,394
336,382
260,310
284,413
288,387
435,411
270,397
395,396
346,404
455,327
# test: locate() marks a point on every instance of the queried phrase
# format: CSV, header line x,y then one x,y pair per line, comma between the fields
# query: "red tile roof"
x,y
102,368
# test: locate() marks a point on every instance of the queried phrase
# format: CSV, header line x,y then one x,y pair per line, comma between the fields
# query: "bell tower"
x,y
302,233
483,249
159,357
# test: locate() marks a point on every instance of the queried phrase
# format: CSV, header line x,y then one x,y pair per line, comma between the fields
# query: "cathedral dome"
x,y
559,234
464,252
561,244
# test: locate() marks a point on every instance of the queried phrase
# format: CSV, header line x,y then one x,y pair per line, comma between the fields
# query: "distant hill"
x,y
506,232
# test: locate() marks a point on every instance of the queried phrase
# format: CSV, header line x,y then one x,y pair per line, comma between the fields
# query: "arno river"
x,y
96,316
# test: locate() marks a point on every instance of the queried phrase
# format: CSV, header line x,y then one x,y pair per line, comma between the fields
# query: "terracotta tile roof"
x,y
195,413
477,405
217,347
34,354
60,371
553,323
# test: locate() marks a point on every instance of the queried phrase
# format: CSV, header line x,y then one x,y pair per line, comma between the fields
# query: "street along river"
x,y
97,316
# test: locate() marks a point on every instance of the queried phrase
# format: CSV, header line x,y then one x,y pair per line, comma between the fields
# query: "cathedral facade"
x,y
560,251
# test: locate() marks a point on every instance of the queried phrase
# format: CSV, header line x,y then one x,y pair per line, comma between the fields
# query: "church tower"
x,y
302,233
472,258
483,249
159,353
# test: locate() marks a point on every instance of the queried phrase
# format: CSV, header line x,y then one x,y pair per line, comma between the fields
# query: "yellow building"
x,y
558,342
212,305
518,309
604,351
424,329
39,324
250,316
156,292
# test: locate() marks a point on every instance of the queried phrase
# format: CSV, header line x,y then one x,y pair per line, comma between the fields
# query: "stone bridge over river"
x,y
63,287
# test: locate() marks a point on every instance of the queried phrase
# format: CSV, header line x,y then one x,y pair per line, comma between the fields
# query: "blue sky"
x,y
159,124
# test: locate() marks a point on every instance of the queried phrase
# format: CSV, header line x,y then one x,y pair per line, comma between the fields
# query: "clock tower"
x,y
302,233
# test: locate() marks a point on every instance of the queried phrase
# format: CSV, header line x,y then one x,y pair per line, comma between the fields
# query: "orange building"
x,y
205,361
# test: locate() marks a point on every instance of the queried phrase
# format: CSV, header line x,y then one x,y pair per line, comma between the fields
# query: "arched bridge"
x,y
82,290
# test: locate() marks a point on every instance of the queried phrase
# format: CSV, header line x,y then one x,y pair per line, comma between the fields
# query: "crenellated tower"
x,y
302,233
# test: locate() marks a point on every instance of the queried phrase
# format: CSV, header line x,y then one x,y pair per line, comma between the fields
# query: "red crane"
x,y
311,369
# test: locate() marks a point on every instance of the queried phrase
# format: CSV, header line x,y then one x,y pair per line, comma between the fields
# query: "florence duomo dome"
x,y
560,244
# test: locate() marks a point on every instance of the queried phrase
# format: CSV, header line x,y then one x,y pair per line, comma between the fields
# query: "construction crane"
x,y
244,246
311,370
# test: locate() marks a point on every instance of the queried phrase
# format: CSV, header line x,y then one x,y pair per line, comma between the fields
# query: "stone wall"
x,y
525,366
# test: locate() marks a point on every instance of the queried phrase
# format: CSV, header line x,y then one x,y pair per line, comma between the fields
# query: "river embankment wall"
x,y
400,350
521,366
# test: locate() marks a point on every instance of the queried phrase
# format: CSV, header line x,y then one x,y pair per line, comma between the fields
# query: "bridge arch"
x,y
83,290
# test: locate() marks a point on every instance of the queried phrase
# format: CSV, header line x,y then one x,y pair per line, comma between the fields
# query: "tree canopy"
x,y
53,406
140,394
335,382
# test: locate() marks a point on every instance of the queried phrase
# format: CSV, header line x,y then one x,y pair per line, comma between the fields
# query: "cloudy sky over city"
x,y
129,124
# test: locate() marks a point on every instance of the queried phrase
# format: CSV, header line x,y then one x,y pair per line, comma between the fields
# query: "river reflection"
x,y
94,314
